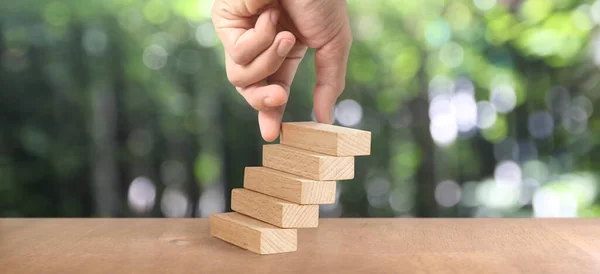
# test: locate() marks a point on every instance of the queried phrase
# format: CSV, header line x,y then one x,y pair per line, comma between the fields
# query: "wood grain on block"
x,y
309,164
274,211
327,139
252,234
289,187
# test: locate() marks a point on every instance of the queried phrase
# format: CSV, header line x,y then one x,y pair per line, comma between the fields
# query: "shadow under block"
x,y
253,235
327,139
274,211
289,187
308,164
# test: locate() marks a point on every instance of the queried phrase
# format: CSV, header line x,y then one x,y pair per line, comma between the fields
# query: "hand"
x,y
264,42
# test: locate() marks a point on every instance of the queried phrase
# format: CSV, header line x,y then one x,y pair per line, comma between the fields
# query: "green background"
x,y
121,108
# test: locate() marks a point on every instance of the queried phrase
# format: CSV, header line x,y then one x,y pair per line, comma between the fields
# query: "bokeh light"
x,y
484,5
548,203
451,112
582,17
464,85
440,105
130,19
497,132
447,193
508,173
437,33
451,54
368,28
500,196
443,129
528,189
206,35
486,114
141,195
155,57
174,203
378,190
540,124
465,110
585,104
558,100
527,150
469,194
595,12
574,120
164,40
440,85
536,170
459,16
211,201
504,98
95,42
348,113
401,200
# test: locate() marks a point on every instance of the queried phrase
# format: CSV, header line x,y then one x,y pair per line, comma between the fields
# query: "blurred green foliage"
x,y
478,108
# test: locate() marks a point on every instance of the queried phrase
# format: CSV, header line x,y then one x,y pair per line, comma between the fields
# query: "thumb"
x,y
330,65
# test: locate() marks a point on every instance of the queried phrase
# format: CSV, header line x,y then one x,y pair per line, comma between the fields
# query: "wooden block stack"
x,y
284,194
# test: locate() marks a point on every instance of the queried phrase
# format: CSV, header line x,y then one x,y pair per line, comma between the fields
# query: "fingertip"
x,y
270,123
324,104
268,132
330,67
284,41
285,35
268,135
267,22
324,116
284,47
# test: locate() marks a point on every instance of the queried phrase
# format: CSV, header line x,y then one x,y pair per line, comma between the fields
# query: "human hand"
x,y
264,42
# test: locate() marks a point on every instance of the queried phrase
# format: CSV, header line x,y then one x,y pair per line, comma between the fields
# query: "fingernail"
x,y
285,46
274,16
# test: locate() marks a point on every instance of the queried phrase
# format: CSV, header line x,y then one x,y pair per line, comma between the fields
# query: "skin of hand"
x,y
265,41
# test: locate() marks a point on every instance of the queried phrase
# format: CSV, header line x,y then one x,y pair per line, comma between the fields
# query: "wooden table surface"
x,y
336,246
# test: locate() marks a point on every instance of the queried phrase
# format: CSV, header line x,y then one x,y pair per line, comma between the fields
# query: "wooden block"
x,y
312,165
327,139
274,211
252,234
289,187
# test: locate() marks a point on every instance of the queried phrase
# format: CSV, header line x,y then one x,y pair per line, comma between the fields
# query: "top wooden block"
x,y
327,139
